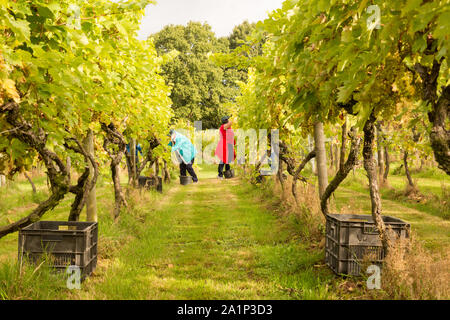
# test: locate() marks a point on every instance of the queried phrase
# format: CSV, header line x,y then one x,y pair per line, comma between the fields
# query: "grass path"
x,y
432,231
212,240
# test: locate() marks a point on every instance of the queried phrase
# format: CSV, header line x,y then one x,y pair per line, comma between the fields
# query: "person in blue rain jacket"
x,y
128,157
185,152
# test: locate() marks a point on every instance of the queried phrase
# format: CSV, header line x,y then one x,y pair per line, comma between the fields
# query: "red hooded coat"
x,y
222,147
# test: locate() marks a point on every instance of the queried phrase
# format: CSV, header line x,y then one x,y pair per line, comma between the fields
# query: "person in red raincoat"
x,y
225,148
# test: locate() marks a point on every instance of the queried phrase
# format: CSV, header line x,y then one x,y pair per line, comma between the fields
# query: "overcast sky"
x,y
222,15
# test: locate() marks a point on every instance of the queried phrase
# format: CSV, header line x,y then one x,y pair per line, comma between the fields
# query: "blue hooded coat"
x,y
184,147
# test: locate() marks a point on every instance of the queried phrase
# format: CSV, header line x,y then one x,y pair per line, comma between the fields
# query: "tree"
x,y
63,73
323,63
420,43
240,34
198,85
335,60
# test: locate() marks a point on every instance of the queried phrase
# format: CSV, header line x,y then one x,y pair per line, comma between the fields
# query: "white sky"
x,y
222,15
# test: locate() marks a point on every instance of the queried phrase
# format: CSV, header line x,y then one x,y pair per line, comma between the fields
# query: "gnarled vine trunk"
x,y
91,201
119,197
439,114
80,196
387,163
33,187
371,169
157,167
115,138
280,176
342,172
380,150
343,145
297,176
166,172
287,157
336,158
149,157
86,182
407,172
321,156
57,173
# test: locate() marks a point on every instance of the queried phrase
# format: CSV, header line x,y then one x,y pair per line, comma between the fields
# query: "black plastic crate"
x,y
151,183
67,243
350,238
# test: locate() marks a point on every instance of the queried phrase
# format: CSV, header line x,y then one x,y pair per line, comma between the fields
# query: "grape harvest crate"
x,y
66,243
350,238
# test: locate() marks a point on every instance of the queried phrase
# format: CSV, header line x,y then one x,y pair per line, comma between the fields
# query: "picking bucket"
x,y
185,180
229,174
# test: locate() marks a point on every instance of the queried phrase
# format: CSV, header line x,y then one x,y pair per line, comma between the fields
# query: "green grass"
x,y
429,223
434,188
213,240
18,197
432,231
30,282
429,180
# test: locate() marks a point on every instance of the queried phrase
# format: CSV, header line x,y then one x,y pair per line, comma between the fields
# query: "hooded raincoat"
x,y
184,147
225,148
